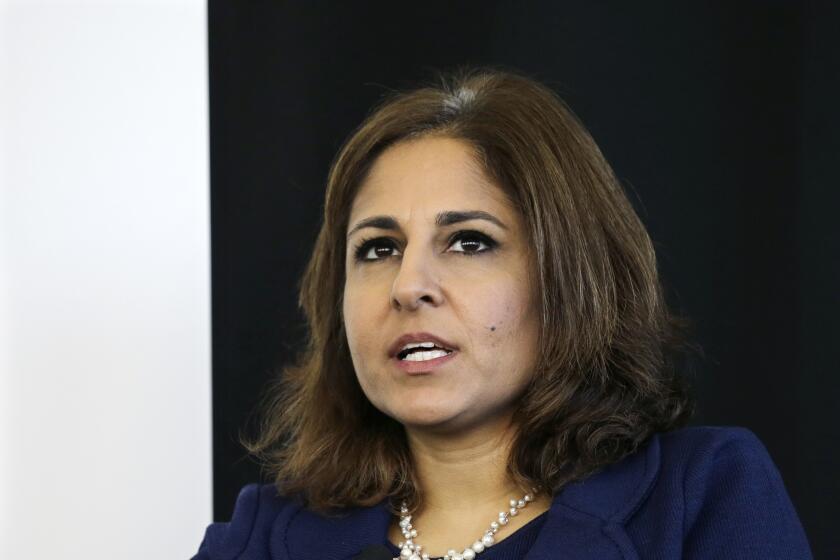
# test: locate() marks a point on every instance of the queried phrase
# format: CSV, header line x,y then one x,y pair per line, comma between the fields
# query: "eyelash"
x,y
366,244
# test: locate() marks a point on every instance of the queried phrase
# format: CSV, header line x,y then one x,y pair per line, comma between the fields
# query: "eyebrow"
x,y
443,219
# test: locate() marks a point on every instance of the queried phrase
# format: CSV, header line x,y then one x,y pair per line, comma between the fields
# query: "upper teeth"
x,y
418,345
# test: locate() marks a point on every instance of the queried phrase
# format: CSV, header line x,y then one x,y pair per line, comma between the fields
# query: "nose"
x,y
415,284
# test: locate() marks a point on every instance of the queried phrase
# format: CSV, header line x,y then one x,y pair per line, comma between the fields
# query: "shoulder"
x,y
662,466
257,508
267,525
725,495
707,461
708,438
693,451
699,492
712,460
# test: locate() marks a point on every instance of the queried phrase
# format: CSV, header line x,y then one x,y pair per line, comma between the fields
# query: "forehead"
x,y
434,173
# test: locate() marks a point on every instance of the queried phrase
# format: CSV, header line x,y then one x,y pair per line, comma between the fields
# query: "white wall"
x,y
105,441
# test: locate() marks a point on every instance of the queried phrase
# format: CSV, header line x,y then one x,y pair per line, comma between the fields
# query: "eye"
x,y
467,243
374,249
471,242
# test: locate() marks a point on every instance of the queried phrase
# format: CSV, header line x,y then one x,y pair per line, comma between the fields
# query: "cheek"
x,y
505,336
353,307
360,328
502,313
350,315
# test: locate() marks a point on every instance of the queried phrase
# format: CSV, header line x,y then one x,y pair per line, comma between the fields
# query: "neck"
x,y
466,471
464,484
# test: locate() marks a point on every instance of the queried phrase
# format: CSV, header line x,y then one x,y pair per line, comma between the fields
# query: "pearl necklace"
x,y
411,550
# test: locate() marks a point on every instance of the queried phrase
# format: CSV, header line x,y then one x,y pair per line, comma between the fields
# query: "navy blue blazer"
x,y
693,493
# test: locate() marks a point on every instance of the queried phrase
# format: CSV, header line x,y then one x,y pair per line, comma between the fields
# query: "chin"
x,y
432,416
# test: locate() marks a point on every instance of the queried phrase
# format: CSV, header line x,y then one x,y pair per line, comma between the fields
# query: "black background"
x,y
720,119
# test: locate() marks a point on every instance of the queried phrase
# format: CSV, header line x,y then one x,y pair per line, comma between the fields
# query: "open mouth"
x,y
422,353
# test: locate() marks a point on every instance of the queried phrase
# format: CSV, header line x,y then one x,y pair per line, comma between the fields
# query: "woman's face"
x,y
413,268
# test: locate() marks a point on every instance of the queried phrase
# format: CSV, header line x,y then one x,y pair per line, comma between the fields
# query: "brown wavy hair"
x,y
608,374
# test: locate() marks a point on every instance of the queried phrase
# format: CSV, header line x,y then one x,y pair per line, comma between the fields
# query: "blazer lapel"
x,y
572,535
586,519
304,535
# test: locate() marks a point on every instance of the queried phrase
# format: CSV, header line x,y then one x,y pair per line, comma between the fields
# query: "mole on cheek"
x,y
492,327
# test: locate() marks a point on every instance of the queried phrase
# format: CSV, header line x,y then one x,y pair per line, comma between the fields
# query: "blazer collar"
x,y
585,519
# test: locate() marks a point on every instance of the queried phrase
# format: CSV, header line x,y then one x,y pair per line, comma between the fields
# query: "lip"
x,y
426,366
397,345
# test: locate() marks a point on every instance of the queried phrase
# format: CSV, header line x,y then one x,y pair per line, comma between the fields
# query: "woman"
x,y
491,370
